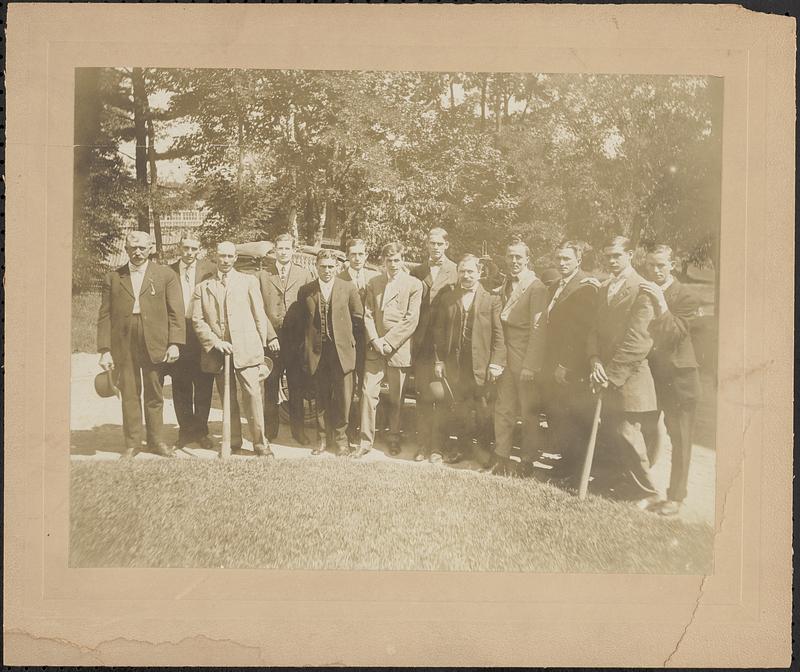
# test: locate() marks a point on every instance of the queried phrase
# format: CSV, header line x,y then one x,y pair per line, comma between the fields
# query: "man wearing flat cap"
x,y
229,319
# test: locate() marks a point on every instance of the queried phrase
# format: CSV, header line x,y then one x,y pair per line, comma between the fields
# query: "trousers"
x,y
247,381
140,378
334,392
375,371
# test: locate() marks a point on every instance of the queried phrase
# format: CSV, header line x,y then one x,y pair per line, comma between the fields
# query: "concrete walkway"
x,y
96,434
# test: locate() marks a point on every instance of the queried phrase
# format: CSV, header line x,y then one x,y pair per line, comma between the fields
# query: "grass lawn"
x,y
341,514
84,321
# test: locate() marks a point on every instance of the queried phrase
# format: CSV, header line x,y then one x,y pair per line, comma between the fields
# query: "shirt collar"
x,y
565,281
185,267
220,274
326,284
668,283
354,273
138,269
470,291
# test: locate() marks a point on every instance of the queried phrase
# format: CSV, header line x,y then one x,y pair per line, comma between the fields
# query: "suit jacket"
x,y
243,316
393,316
524,328
161,306
280,304
204,269
358,330
347,316
568,323
446,278
672,359
621,338
488,344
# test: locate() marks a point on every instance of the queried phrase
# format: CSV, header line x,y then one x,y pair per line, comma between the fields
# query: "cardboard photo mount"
x,y
737,616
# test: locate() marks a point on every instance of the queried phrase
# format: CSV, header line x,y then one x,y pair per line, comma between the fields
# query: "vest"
x,y
325,317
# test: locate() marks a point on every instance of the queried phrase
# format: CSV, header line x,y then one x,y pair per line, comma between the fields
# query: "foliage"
x,y
384,155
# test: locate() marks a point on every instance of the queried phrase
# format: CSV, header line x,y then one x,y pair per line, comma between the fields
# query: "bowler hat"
x,y
440,390
265,368
105,384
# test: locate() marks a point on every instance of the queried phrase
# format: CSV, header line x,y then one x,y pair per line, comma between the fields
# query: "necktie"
x,y
282,274
188,276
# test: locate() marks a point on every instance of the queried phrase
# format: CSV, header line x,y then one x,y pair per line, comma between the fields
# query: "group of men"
x,y
483,358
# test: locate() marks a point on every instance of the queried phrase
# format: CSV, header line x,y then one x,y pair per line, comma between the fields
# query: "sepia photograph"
x,y
384,320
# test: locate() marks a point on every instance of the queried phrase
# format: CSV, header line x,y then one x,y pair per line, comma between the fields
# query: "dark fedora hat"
x,y
440,390
105,384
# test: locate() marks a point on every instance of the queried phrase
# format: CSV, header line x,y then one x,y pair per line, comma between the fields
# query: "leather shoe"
x,y
361,451
343,451
651,504
127,454
394,447
435,458
320,448
503,467
164,450
262,451
300,437
206,442
669,508
454,458
420,457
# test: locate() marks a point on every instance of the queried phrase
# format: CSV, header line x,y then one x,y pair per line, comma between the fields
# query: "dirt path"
x,y
96,426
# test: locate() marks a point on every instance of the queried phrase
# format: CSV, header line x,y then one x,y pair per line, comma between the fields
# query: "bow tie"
x,y
435,263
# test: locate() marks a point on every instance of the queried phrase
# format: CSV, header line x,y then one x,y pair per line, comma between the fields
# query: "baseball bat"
x,y
587,462
226,410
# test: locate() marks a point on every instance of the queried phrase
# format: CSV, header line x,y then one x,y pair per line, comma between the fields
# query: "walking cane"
x,y
587,462
226,410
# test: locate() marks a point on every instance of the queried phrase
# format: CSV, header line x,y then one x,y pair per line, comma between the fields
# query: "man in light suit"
x,y
674,366
280,282
618,345
470,352
332,314
438,274
139,328
357,273
570,312
229,319
191,387
523,299
391,313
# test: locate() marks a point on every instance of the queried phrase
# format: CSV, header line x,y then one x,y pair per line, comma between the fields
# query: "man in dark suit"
x,y
674,366
438,274
332,315
618,345
191,386
570,311
357,273
139,328
469,352
280,282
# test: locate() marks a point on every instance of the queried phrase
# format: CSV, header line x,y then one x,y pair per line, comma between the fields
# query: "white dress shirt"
x,y
467,298
434,271
325,289
137,278
187,275
283,270
357,277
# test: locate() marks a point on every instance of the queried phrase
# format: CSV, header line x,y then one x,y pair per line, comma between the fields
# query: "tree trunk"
x,y
140,113
323,217
153,186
